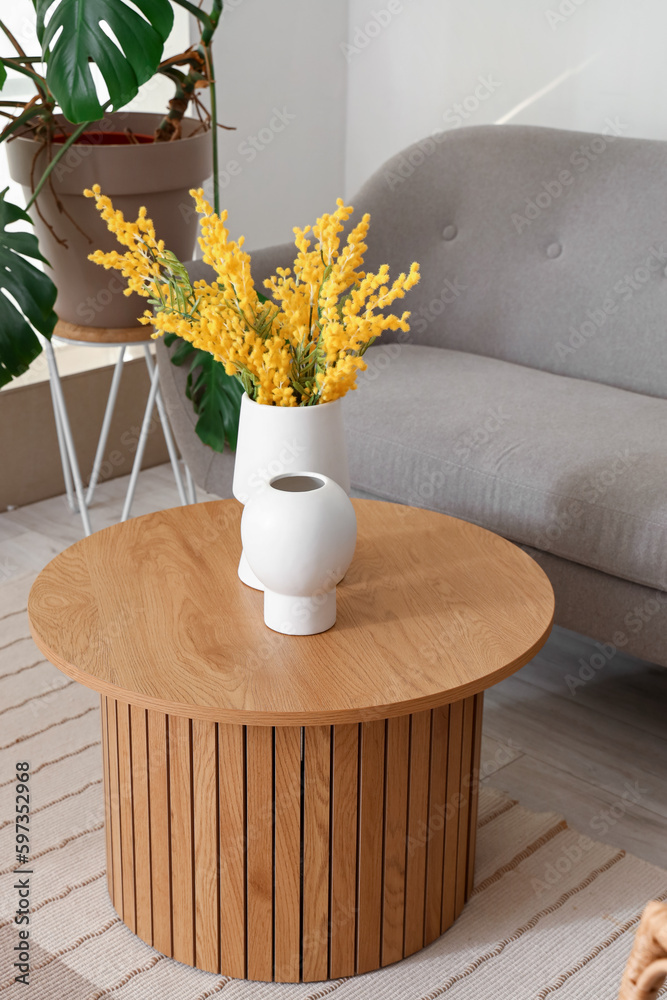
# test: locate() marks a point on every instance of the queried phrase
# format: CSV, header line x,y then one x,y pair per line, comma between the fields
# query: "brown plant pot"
x,y
157,175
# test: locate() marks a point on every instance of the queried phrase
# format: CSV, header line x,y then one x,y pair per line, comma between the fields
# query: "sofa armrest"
x,y
264,263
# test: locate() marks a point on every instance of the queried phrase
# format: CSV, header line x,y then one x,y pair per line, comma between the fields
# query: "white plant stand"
x,y
79,497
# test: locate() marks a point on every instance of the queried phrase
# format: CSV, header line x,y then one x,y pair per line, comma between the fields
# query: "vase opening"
x,y
296,483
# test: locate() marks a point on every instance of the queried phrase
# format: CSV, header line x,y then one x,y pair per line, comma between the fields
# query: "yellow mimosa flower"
x,y
302,346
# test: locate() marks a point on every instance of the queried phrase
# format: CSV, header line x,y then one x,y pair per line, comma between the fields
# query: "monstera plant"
x,y
125,42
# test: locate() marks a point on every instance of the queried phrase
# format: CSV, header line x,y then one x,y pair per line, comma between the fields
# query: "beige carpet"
x,y
552,912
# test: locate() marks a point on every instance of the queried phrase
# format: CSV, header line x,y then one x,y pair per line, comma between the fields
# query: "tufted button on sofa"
x,y
530,394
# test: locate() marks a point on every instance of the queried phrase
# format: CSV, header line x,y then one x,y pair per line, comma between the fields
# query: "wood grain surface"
x,y
436,821
451,845
181,808
102,334
259,852
289,853
107,795
371,827
232,817
151,612
344,791
126,814
158,783
474,797
206,881
316,851
287,864
415,875
114,809
395,830
290,808
141,821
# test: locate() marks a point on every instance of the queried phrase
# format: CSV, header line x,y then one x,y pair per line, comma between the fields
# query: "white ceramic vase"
x,y
299,531
276,440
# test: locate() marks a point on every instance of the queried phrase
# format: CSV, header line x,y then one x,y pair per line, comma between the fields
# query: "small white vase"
x,y
299,532
276,440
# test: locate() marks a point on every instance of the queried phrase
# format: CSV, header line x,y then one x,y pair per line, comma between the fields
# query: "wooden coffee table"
x,y
290,807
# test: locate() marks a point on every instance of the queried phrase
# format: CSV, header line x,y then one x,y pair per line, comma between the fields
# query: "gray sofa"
x,y
530,395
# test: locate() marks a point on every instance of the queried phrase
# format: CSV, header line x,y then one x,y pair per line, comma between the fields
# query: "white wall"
x,y
354,81
282,82
562,63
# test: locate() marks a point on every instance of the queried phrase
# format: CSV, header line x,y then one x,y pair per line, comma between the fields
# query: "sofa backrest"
x,y
542,247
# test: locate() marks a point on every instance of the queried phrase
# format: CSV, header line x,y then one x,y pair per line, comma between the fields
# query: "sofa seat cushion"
x,y
565,465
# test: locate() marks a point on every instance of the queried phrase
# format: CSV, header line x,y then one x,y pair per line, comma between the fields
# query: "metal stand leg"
x,y
106,424
166,429
66,434
77,499
143,436
67,473
190,484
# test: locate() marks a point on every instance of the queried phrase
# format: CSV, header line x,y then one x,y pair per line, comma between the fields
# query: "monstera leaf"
x,y
32,295
215,395
73,36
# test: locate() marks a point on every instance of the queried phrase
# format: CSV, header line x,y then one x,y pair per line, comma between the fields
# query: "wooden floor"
x,y
596,755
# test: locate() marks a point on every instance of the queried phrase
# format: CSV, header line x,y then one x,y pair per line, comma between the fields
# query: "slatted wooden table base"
x,y
290,808
290,853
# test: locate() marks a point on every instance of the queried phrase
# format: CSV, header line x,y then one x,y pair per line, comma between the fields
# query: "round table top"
x,y
151,612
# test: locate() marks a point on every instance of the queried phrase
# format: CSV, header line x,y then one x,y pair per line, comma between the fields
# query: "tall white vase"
x,y
299,532
277,440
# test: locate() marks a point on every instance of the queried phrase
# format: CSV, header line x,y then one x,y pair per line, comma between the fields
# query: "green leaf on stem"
x,y
27,295
215,395
74,37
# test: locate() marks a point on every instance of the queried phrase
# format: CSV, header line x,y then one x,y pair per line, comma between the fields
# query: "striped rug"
x,y
553,913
